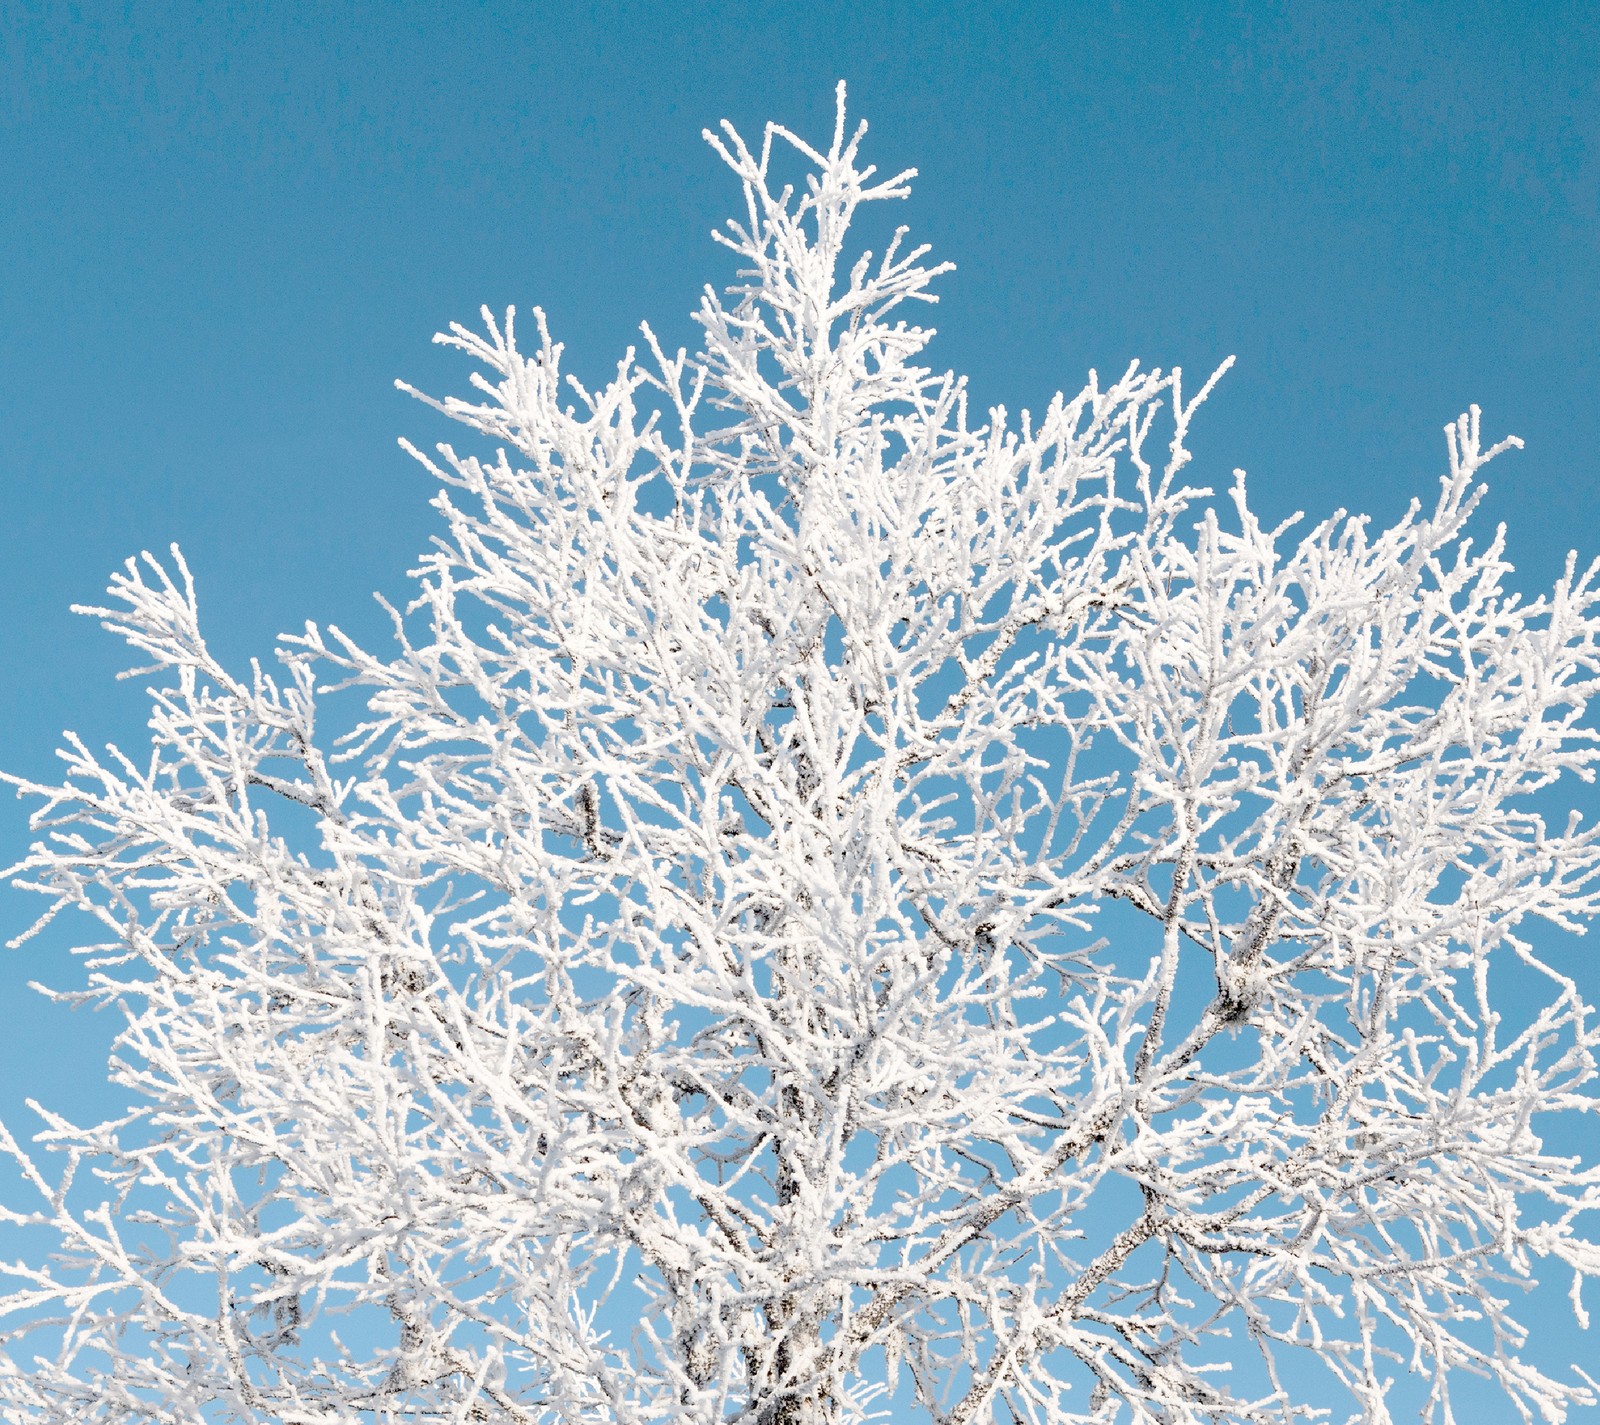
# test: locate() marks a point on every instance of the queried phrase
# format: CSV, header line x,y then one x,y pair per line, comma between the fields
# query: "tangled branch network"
x,y
829,911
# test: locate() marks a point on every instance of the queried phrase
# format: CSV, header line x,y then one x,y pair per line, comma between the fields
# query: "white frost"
x,y
827,900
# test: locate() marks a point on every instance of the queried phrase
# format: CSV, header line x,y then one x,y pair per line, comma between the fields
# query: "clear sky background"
x,y
228,228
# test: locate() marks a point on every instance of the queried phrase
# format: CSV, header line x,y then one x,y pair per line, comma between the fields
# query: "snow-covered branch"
x,y
829,906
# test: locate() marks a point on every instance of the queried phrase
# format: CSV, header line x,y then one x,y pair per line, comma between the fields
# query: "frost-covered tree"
x,y
829,908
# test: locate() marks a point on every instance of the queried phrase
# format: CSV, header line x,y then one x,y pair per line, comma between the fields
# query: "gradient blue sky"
x,y
228,228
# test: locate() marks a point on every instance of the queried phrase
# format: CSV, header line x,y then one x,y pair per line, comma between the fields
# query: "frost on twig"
x,y
832,906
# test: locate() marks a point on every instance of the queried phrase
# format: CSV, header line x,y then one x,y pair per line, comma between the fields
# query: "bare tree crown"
x,y
831,907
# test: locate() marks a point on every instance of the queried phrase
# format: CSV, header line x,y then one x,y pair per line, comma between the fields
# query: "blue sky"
x,y
228,228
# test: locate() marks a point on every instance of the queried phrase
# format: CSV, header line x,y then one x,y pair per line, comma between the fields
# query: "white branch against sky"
x,y
831,906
